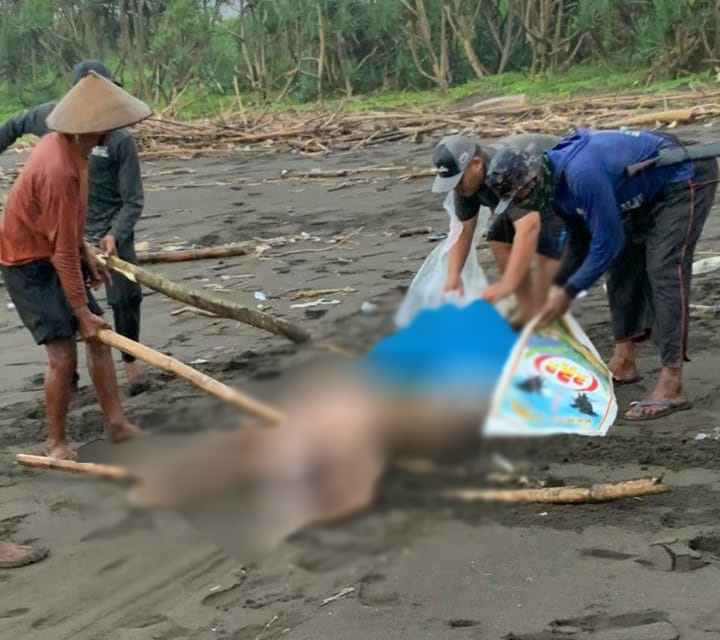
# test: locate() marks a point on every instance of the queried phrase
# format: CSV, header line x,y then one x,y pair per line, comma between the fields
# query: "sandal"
x,y
619,382
666,409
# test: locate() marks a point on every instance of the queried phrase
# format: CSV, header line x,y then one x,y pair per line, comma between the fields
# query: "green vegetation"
x,y
201,57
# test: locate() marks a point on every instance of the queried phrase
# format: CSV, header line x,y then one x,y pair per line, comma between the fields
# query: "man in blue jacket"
x,y
640,229
115,202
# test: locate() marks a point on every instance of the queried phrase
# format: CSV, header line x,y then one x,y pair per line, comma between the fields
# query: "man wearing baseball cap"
x,y
515,235
115,202
635,221
45,263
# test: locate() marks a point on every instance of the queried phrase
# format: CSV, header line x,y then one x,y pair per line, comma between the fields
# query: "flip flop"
x,y
666,408
619,382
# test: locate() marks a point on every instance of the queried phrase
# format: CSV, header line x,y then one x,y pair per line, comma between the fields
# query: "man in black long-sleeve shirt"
x,y
115,202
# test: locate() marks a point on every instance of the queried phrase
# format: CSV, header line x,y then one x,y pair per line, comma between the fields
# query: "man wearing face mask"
x,y
515,236
635,204
115,203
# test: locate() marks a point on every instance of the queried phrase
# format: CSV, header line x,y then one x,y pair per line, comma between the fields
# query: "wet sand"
x,y
418,566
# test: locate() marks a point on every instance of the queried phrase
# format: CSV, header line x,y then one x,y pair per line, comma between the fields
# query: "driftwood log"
x,y
554,495
203,253
218,306
199,379
653,117
563,495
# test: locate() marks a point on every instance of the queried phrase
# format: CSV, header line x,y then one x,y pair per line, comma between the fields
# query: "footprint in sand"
x,y
605,554
375,592
116,564
130,524
707,543
14,613
462,623
674,555
641,625
224,597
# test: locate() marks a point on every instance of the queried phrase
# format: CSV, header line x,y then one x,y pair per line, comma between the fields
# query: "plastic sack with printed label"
x,y
426,291
554,382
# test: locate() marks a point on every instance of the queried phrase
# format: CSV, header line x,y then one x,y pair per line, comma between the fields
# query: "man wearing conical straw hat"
x,y
115,203
43,258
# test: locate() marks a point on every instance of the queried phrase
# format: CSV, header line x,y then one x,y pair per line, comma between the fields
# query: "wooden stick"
x,y
303,294
199,379
563,495
218,306
107,472
204,253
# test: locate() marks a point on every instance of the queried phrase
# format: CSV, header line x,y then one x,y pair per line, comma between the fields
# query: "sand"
x,y
416,566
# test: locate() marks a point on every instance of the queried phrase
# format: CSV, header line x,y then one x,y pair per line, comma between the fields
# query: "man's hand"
x,y
496,292
557,305
99,273
89,325
454,283
108,244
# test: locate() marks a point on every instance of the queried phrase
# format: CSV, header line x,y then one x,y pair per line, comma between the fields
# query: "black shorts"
x,y
39,298
551,239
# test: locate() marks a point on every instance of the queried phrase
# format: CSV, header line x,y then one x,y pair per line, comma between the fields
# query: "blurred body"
x,y
327,460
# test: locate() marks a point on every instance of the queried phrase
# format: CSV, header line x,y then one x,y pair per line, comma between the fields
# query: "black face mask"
x,y
540,198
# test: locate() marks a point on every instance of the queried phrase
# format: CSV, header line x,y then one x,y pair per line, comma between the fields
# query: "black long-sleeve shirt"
x,y
116,197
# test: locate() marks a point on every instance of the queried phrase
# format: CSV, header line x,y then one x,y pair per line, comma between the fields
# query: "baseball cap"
x,y
509,171
451,157
83,68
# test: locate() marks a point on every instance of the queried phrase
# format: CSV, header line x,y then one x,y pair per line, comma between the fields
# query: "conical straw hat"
x,y
96,105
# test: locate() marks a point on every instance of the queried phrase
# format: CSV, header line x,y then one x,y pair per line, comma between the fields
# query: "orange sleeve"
x,y
60,205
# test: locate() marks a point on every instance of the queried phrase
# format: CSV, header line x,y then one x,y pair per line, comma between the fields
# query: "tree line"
x,y
314,49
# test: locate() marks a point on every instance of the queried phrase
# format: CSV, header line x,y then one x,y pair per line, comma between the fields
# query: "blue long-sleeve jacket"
x,y
591,183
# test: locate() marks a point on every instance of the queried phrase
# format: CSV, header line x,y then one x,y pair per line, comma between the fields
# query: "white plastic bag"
x,y
426,289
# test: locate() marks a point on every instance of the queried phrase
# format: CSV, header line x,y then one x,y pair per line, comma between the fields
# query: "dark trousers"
x,y
649,283
125,297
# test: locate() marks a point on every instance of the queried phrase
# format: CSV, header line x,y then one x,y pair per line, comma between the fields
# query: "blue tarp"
x,y
448,350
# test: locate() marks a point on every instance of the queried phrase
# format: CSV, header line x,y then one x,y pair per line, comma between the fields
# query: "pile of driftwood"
x,y
320,131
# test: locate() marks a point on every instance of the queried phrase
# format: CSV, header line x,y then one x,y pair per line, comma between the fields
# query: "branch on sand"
x,y
218,306
563,495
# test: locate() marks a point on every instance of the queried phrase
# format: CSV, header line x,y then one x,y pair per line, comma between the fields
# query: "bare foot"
x,y
59,450
623,364
123,431
134,372
15,555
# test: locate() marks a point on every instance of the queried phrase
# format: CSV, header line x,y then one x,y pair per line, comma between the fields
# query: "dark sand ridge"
x,y
420,567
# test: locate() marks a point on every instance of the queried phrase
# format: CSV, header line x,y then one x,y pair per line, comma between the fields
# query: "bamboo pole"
x,y
199,379
563,495
218,306
104,471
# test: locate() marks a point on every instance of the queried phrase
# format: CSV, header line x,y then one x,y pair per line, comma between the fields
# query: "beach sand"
x,y
416,566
